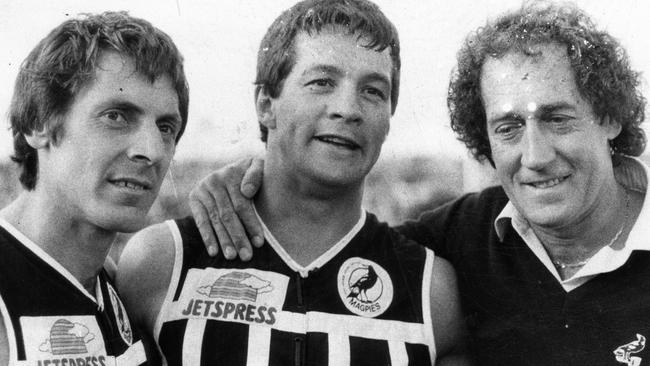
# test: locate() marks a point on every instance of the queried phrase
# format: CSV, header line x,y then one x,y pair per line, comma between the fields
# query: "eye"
x,y
169,128
560,123
375,92
320,84
508,130
115,116
558,119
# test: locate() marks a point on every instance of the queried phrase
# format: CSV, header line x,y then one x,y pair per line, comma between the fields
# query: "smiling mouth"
x,y
547,183
338,141
130,185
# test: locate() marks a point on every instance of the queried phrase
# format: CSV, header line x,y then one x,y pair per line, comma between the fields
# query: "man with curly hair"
x,y
554,264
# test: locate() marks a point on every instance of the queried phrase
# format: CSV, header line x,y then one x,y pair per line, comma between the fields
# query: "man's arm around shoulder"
x,y
143,275
448,323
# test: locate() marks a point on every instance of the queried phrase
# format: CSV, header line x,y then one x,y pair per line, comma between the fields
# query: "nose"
x,y
345,105
147,145
537,149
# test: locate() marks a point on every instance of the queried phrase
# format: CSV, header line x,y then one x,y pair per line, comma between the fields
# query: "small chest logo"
x,y
236,286
67,338
120,316
624,353
364,287
57,340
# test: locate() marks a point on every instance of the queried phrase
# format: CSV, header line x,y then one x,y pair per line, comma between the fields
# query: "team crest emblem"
x,y
120,316
364,287
67,338
624,353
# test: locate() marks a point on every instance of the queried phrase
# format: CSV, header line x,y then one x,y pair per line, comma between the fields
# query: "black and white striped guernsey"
x,y
51,320
363,302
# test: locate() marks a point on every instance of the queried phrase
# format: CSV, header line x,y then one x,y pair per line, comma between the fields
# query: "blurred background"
x,y
421,166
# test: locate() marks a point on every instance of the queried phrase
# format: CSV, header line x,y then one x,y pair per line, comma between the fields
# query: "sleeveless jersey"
x,y
363,302
51,320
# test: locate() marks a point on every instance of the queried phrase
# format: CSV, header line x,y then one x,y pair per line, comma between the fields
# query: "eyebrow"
x,y
134,108
329,69
322,68
541,110
507,116
375,76
549,108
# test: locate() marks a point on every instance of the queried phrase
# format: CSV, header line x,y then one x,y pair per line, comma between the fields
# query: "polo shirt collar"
x,y
632,173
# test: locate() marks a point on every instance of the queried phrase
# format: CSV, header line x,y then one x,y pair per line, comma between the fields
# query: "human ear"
x,y
39,139
612,127
264,107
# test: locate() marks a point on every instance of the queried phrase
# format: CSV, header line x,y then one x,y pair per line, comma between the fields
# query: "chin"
x,y
125,220
342,177
546,217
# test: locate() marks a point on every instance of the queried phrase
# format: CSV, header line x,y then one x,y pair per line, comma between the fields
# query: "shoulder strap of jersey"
x,y
174,280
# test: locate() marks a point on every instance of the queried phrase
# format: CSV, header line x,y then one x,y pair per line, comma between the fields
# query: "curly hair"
x,y
276,56
600,65
64,62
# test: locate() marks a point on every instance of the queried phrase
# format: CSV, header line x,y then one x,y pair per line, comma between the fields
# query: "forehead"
x,y
334,46
115,77
517,79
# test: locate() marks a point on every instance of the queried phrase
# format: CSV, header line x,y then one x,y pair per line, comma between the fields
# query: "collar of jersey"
x,y
39,252
323,258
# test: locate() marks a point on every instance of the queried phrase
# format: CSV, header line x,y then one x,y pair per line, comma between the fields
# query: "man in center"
x,y
333,286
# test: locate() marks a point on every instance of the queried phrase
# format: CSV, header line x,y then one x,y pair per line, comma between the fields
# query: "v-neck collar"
x,y
54,264
323,258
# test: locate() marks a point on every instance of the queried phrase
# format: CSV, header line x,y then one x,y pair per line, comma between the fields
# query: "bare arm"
x,y
222,207
143,276
448,324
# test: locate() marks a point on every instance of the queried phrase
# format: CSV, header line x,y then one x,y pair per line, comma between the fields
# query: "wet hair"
x,y
65,61
276,56
600,66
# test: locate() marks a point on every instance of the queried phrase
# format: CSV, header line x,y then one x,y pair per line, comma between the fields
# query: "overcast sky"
x,y
219,40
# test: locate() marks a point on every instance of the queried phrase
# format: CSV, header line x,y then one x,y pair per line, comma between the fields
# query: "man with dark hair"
x,y
333,286
553,265
98,107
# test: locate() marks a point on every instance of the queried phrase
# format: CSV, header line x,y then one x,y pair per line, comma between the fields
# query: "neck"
x,y
78,246
307,218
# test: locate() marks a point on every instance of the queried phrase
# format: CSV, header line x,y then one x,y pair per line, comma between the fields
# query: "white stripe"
x,y
357,326
193,341
39,252
9,331
133,356
338,349
429,335
98,294
398,355
173,281
350,325
259,346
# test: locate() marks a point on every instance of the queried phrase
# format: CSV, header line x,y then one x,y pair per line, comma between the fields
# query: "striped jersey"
x,y
363,302
50,318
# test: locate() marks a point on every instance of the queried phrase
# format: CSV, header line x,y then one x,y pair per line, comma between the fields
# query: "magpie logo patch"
x,y
624,353
364,287
121,317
